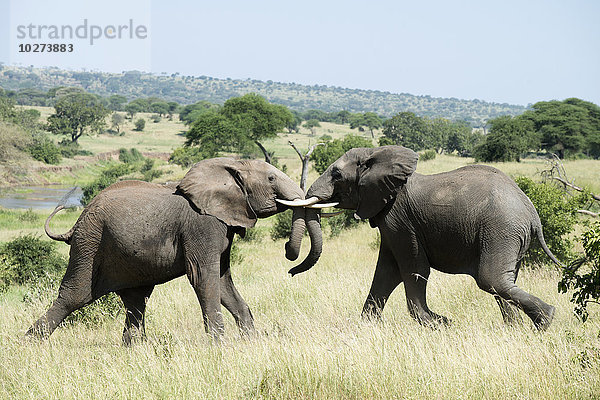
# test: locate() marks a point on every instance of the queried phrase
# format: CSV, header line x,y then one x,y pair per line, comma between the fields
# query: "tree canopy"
x,y
568,128
76,113
324,156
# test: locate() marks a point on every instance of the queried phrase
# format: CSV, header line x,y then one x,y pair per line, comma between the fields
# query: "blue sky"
x,y
504,51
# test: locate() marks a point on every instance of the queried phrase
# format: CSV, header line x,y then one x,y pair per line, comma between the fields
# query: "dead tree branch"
x,y
572,186
305,158
588,212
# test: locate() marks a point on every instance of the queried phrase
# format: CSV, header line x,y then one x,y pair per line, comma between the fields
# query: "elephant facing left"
x,y
135,235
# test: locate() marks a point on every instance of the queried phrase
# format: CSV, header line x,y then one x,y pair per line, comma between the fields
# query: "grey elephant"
x,y
135,235
474,220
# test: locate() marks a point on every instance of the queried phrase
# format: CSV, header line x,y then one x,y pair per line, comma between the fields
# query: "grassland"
x,y
310,341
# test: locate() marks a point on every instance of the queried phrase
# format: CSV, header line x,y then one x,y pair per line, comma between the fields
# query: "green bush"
x,y
187,156
324,156
27,258
282,228
558,214
43,149
106,307
340,222
156,118
130,156
69,149
149,172
584,281
109,175
252,235
427,155
140,124
235,256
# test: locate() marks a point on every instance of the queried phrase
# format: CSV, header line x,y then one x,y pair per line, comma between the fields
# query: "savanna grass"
x,y
310,341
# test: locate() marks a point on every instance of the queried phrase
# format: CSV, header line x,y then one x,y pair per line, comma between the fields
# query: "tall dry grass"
x,y
310,341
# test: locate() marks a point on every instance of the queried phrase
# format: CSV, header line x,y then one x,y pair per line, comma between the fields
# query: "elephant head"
x,y
363,179
237,192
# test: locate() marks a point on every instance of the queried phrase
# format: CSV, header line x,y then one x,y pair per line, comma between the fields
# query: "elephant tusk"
x,y
331,214
298,202
323,205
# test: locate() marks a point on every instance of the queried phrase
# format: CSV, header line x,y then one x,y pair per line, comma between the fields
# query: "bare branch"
x,y
572,186
295,148
312,148
590,213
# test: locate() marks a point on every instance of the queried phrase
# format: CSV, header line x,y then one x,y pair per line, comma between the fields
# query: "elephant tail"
x,y
540,235
65,237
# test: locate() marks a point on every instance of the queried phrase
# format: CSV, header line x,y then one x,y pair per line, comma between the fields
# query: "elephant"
x,y
474,220
134,235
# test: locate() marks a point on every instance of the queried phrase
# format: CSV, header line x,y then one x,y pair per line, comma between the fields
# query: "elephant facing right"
x,y
474,220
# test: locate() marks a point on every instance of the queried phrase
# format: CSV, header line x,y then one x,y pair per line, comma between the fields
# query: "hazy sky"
x,y
504,51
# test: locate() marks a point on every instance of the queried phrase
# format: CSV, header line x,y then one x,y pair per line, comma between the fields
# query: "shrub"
x,y
235,256
140,124
340,222
252,235
108,176
130,157
282,228
106,307
27,258
427,155
43,149
584,281
558,214
324,156
156,118
149,172
28,216
187,156
69,149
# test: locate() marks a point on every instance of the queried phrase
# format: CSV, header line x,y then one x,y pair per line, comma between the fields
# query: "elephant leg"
x,y
387,277
510,312
416,298
74,293
205,279
60,309
498,278
235,304
135,300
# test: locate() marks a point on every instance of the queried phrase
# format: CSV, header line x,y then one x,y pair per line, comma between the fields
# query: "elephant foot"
x,y
433,320
543,321
132,336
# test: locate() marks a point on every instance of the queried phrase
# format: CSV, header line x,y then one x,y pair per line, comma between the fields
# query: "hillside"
x,y
190,89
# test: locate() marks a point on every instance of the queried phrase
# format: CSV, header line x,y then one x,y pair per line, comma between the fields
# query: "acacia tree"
x,y
214,132
409,130
312,124
256,119
565,127
75,114
508,139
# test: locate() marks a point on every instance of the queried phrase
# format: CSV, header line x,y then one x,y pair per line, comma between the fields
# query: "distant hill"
x,y
190,89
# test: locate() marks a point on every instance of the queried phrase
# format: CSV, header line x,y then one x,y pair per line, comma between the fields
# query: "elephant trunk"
x,y
292,247
313,224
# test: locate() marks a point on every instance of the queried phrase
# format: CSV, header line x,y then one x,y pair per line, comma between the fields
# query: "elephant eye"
x,y
271,178
335,173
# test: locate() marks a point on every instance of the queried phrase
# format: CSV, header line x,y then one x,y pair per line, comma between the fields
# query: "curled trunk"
x,y
313,225
292,247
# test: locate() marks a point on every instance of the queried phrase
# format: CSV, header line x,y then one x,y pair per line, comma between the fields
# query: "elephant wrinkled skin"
x,y
135,235
473,220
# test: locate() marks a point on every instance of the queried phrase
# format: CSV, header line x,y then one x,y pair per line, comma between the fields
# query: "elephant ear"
x,y
381,175
216,188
